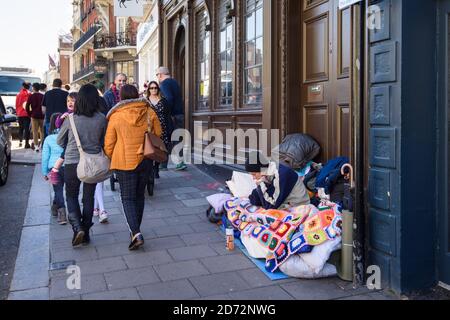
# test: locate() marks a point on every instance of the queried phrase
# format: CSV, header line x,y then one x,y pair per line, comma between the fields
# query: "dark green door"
x,y
444,140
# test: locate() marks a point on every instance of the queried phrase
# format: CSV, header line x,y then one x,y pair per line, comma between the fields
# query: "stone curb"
x,y
31,276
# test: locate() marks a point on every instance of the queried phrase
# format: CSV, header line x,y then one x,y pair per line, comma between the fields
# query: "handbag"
x,y
154,147
92,168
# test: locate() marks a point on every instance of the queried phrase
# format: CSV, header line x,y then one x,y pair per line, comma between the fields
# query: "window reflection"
x,y
226,55
203,61
253,53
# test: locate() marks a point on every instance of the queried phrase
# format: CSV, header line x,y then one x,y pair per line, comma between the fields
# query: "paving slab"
x,y
191,253
180,270
130,278
222,283
170,290
123,294
227,263
147,259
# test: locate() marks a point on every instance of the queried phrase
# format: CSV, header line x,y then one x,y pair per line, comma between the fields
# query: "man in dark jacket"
x,y
55,101
171,90
112,96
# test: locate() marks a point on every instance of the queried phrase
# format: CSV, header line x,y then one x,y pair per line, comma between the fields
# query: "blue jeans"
x,y
59,190
46,127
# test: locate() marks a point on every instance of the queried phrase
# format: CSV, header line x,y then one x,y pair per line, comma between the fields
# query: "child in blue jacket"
x,y
51,152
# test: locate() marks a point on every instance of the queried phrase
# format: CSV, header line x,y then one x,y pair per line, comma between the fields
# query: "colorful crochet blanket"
x,y
285,232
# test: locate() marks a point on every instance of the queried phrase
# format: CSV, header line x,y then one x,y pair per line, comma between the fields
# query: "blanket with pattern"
x,y
286,232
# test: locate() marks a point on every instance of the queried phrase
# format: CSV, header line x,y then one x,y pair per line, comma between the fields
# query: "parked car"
x,y
5,142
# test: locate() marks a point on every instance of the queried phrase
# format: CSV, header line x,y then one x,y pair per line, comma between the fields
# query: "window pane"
x,y
250,53
223,62
253,81
207,46
206,89
259,22
259,51
251,27
223,40
229,61
230,36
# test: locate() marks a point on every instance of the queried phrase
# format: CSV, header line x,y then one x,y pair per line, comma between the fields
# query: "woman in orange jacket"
x,y
129,120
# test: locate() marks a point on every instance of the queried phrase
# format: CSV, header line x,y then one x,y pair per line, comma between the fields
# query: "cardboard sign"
x,y
345,3
128,8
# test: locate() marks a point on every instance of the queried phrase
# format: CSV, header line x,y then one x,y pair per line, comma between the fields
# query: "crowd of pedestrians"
x,y
114,123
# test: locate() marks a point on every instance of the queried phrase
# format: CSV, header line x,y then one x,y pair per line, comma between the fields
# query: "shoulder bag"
x,y
92,168
154,148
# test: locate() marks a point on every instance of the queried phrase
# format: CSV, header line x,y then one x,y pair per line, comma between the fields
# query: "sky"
x,y
29,31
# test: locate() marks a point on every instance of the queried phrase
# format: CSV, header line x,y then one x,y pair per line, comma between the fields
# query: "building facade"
x,y
65,53
356,80
103,44
148,43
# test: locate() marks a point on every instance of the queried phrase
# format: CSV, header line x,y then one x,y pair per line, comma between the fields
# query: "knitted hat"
x,y
255,162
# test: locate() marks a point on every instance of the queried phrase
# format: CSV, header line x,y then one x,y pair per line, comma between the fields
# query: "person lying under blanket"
x,y
278,187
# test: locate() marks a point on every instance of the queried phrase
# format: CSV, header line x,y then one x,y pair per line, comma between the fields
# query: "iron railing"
x,y
121,39
85,37
84,72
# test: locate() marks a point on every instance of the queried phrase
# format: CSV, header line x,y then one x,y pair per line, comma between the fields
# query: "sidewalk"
x,y
184,256
24,156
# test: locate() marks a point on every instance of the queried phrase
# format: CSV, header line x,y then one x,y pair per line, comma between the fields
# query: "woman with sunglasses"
x,y
160,106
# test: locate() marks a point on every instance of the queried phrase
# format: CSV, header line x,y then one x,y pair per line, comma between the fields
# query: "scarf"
x,y
116,94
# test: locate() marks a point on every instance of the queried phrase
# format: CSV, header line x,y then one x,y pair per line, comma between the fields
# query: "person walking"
x,y
54,101
171,90
112,96
162,110
51,152
43,88
128,122
99,204
34,110
22,115
91,127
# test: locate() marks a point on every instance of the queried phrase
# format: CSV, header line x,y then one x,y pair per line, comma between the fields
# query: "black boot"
x,y
87,238
78,232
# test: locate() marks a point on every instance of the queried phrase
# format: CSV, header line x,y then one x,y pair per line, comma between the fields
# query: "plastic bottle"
x,y
230,239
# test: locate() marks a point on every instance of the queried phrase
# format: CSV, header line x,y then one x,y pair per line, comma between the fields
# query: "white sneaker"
x,y
96,212
103,217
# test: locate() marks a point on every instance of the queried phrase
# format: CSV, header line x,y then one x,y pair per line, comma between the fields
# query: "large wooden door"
x,y
326,86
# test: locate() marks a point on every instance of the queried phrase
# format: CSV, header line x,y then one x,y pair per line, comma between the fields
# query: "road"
x,y
13,205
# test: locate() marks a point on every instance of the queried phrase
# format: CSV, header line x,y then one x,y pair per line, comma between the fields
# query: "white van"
x,y
11,80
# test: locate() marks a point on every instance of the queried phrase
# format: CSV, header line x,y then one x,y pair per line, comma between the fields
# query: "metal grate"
x,y
61,265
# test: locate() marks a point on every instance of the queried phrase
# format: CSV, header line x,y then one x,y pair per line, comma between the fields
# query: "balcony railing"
x,y
84,72
85,37
121,39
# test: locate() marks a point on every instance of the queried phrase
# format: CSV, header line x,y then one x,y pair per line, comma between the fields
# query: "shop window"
x,y
253,44
203,60
226,54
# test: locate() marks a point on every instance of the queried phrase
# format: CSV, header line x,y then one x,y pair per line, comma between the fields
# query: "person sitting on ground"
x,y
278,187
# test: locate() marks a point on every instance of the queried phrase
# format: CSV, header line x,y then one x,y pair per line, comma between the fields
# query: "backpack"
x,y
92,168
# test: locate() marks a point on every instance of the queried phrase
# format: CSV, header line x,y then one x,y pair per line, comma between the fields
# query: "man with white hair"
x,y
171,90
112,96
